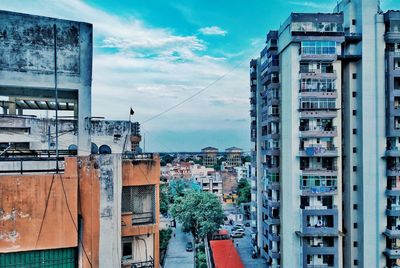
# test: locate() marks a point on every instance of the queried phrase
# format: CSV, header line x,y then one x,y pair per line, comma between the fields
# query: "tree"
x,y
165,199
199,212
244,191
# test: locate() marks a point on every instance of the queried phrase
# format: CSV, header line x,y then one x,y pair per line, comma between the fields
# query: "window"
x,y
354,149
126,248
140,201
354,94
318,47
355,206
355,262
355,226
353,22
397,83
354,76
354,188
355,244
354,131
354,168
354,112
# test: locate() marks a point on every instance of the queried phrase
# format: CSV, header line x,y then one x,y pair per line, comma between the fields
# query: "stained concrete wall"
x,y
35,213
35,131
110,176
27,62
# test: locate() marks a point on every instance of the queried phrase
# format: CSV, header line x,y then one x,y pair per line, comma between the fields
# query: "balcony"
x,y
313,150
392,253
326,226
274,253
319,171
318,190
317,132
273,203
393,170
392,232
319,265
306,73
318,114
274,236
392,191
393,210
392,151
319,249
273,168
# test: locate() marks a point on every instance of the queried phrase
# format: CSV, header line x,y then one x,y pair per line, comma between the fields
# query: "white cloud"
x,y
152,69
213,30
324,5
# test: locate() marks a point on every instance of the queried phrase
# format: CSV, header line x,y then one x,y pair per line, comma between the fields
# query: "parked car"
x,y
239,225
247,224
189,246
237,235
240,230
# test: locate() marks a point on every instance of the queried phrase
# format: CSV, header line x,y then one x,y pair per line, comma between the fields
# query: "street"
x,y
245,249
177,256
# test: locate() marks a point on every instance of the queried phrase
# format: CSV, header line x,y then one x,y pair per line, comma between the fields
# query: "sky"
x,y
151,55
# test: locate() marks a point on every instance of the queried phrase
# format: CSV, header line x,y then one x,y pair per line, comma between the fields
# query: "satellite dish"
x,y
94,149
72,149
105,149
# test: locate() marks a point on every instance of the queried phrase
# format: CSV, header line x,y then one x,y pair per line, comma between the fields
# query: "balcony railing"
x,y
318,150
319,131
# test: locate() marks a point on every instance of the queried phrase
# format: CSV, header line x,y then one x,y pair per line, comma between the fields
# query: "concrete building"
x,y
209,156
328,160
234,156
213,184
61,202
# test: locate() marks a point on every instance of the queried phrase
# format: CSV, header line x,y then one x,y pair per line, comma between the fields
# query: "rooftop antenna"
x,y
56,89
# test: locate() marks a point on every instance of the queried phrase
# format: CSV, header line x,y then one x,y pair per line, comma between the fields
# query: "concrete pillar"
x,y
12,106
84,94
75,110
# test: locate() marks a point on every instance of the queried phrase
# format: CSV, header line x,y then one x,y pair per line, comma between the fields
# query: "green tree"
x,y
244,191
199,212
165,199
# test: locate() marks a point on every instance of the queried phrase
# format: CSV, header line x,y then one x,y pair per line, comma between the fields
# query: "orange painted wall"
x,y
136,173
89,194
141,172
22,210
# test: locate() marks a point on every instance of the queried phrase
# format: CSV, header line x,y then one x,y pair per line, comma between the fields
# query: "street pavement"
x,y
245,248
177,256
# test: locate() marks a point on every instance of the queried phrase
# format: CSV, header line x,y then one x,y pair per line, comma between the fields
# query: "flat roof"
x,y
225,254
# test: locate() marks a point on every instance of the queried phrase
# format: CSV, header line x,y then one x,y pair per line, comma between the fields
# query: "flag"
x,y
131,112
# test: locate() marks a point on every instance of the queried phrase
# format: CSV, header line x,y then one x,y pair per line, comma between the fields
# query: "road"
x,y
245,249
177,256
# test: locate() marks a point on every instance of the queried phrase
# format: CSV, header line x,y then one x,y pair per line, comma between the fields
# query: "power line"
x,y
192,96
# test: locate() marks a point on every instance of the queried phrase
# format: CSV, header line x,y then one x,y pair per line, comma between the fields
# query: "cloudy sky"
x,y
152,55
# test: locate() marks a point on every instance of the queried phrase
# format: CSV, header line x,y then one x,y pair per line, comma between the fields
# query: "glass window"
x,y
318,47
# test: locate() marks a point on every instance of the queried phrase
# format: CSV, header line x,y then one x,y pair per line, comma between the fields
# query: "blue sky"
x,y
153,54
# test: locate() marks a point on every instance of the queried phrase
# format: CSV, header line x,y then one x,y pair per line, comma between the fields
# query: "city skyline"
x,y
152,56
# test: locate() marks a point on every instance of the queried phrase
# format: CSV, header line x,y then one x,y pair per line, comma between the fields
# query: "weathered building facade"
x,y
74,192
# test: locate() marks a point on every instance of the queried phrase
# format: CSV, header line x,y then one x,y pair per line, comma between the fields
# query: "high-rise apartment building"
x,y
324,115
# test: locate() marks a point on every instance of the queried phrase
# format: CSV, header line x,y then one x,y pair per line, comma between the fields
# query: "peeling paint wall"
x,y
26,223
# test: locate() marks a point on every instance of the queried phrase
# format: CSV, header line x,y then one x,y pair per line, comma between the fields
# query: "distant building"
x,y
212,184
209,156
234,156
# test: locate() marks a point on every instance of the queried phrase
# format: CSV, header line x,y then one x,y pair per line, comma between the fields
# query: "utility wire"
x,y
72,218
192,96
